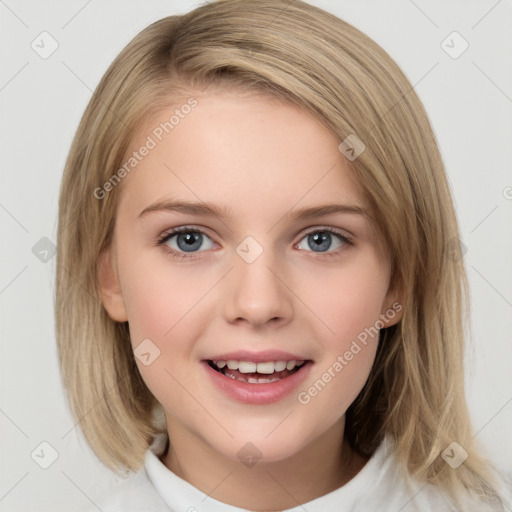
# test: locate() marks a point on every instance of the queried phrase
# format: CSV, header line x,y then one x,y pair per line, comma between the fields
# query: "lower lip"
x,y
267,393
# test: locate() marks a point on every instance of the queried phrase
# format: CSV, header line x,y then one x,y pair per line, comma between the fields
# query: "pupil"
x,y
320,240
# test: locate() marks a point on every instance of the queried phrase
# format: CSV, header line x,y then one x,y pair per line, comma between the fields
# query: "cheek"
x,y
349,304
158,297
151,308
349,299
160,309
164,305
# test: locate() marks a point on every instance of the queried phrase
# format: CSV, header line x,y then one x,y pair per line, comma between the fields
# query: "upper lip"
x,y
258,357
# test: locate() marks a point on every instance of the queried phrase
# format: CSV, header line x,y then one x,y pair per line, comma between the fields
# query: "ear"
x,y
393,306
111,294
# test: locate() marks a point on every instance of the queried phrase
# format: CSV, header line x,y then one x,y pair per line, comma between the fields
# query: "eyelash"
x,y
189,229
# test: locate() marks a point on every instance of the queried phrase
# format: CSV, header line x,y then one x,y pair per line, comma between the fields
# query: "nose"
x,y
258,293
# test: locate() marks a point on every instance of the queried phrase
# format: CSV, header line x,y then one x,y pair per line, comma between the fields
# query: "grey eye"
x,y
321,241
187,241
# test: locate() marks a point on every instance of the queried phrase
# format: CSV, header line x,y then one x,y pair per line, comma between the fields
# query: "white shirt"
x,y
376,487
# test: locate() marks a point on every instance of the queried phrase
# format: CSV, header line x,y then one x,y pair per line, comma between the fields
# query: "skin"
x,y
260,158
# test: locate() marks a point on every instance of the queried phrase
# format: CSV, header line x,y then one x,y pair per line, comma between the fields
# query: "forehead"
x,y
243,150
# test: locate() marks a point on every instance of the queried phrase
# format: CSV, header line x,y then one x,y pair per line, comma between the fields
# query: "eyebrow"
x,y
222,212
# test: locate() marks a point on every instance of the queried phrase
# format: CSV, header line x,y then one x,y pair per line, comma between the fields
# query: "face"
x,y
256,281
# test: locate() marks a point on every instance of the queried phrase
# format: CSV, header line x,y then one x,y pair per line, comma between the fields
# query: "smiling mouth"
x,y
264,373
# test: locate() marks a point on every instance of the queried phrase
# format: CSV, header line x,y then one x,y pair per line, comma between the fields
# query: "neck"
x,y
319,468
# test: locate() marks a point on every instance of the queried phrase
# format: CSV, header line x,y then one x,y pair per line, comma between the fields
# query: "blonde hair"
x,y
312,59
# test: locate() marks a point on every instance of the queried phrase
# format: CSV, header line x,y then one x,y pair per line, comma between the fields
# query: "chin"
x,y
256,445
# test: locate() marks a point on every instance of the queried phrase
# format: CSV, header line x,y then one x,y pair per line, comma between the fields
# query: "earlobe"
x,y
393,307
111,294
392,314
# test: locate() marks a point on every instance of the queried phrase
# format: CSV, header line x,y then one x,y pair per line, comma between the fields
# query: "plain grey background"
x,y
468,98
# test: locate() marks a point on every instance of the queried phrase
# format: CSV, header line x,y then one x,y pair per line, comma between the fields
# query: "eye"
x,y
322,240
185,240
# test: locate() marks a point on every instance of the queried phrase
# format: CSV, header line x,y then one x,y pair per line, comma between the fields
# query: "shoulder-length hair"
x,y
317,62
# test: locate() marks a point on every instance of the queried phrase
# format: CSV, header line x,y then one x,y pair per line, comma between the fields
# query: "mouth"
x,y
264,372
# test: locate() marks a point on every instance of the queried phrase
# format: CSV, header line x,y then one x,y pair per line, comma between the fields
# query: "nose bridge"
x,y
258,293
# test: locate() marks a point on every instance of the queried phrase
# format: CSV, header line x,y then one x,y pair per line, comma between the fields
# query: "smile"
x,y
260,383
252,373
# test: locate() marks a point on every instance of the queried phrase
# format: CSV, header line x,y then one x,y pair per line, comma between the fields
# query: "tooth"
x,y
252,380
246,367
232,365
267,367
279,366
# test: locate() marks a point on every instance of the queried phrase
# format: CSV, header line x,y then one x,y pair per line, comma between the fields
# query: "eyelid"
x,y
186,228
338,231
182,229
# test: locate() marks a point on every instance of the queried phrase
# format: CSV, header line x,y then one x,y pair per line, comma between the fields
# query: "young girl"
x,y
260,292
